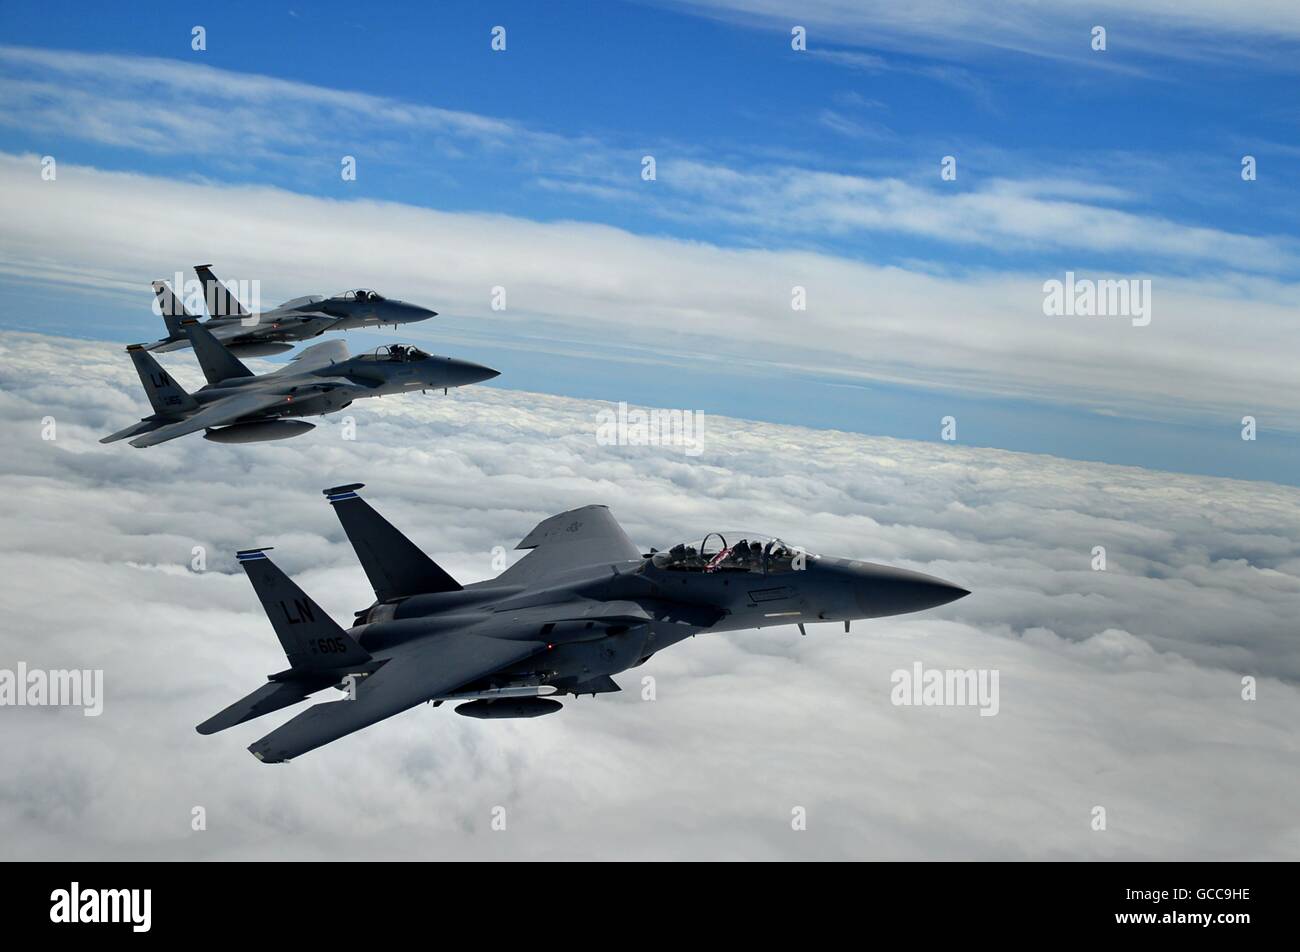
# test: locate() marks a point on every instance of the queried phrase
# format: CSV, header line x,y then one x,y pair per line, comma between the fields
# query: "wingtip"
x,y
264,756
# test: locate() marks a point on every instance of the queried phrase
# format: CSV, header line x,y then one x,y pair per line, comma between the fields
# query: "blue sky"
x,y
1120,163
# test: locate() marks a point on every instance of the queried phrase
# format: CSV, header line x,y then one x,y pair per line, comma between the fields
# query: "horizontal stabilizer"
x,y
395,566
135,429
272,696
433,667
218,413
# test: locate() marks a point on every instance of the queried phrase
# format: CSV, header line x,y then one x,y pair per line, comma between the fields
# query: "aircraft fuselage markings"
x,y
303,610
327,646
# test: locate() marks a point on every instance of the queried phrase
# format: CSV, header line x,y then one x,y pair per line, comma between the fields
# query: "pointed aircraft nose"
x,y
881,590
465,372
399,312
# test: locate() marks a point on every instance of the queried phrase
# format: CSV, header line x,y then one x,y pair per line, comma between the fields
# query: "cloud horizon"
x,y
1120,688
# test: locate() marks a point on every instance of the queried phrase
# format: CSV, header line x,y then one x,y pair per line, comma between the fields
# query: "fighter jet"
x,y
272,332
238,407
583,605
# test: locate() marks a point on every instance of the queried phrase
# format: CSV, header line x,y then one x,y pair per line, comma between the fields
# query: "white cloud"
x,y
954,76
1217,348
240,120
1006,215
76,89
1195,28
1118,688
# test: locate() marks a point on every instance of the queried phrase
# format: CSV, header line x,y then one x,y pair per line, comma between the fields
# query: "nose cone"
x,y
881,590
399,312
462,373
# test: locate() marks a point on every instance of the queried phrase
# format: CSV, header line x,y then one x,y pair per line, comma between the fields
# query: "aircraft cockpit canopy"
x,y
398,353
360,294
731,552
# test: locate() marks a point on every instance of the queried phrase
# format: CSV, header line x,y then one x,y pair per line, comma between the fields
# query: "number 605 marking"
x,y
327,646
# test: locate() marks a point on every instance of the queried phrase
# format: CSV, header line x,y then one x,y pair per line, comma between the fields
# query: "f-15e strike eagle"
x,y
581,606
238,407
274,331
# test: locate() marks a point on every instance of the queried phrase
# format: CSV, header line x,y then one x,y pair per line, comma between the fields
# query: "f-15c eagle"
x,y
581,606
238,407
274,331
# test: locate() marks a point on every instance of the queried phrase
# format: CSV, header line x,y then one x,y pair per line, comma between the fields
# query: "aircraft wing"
x,y
229,330
219,413
436,666
585,536
232,329
225,331
315,357
313,320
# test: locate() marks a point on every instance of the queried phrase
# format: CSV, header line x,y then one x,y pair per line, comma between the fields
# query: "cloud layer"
x,y
665,299
245,121
1118,688
1196,28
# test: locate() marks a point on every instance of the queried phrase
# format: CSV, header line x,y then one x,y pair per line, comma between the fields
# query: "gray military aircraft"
x,y
238,407
581,606
274,331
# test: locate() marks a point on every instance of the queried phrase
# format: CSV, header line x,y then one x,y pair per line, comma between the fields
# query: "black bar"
x,y
508,903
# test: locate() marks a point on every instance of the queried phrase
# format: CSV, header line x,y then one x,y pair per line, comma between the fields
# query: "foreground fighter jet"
x,y
583,605
272,332
237,407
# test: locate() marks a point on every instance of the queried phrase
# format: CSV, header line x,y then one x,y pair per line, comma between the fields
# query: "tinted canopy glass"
x,y
397,353
731,551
